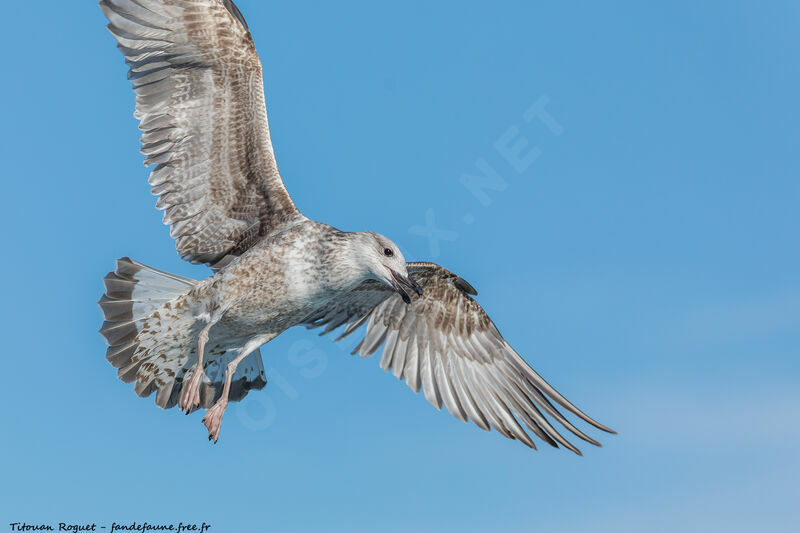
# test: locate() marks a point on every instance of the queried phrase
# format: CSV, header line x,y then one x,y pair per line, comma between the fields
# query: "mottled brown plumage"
x,y
445,344
200,102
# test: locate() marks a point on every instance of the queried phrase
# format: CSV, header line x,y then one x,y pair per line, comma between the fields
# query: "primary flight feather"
x,y
195,344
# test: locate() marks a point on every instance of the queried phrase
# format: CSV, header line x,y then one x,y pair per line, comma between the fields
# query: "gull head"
x,y
384,262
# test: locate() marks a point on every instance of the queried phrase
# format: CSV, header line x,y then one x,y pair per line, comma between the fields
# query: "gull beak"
x,y
400,283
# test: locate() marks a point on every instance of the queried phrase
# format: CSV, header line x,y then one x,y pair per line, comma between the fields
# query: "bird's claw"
x,y
190,394
213,419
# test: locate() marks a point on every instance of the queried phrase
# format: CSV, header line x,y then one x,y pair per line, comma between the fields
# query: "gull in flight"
x,y
195,344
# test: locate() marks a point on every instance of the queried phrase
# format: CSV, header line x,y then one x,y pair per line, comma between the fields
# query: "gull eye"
x,y
388,252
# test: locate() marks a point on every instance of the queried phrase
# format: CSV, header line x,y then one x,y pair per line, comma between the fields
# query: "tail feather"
x,y
133,293
152,337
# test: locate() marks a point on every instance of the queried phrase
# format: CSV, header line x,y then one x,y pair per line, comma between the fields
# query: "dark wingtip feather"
x,y
601,427
465,286
231,7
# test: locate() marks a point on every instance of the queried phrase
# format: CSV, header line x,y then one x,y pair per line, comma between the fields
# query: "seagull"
x,y
196,344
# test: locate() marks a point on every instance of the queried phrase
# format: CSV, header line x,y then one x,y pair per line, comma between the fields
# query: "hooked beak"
x,y
400,283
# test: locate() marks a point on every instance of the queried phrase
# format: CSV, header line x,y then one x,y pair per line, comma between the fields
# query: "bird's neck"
x,y
346,267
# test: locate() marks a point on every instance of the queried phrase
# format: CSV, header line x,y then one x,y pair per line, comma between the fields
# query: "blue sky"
x,y
642,256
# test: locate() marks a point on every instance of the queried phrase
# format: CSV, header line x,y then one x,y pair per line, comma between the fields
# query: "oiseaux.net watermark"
x,y
308,358
517,154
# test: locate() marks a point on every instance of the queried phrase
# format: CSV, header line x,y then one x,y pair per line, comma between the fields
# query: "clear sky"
x,y
641,252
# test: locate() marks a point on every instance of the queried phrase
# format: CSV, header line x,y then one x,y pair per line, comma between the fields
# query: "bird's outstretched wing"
x,y
200,103
446,345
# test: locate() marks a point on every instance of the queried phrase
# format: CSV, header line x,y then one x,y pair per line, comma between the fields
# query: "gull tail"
x,y
152,336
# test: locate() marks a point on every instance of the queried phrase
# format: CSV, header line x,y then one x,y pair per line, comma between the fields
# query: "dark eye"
x,y
388,252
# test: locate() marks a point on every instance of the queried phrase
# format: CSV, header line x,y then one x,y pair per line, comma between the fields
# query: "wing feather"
x,y
444,344
201,106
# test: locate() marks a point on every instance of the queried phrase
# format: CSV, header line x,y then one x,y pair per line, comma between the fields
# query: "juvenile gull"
x,y
201,107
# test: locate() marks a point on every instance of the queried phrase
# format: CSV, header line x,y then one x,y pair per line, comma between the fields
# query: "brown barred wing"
x,y
446,345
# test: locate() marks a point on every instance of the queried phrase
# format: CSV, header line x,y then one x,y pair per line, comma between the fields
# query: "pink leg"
x,y
190,392
213,418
